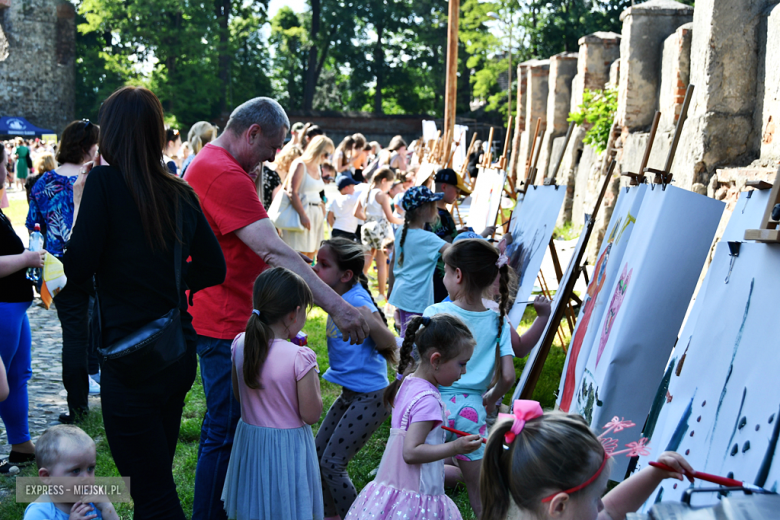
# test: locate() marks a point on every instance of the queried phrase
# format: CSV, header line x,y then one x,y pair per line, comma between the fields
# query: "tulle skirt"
x,y
273,474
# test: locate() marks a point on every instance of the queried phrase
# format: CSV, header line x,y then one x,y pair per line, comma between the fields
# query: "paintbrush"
x,y
458,432
715,479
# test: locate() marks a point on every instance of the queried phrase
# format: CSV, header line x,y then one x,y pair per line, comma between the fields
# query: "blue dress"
x,y
51,206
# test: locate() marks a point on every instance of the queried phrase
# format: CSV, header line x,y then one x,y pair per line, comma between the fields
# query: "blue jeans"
x,y
219,427
15,343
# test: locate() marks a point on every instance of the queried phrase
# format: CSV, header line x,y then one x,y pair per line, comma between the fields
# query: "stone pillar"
x,y
519,122
675,75
724,68
537,76
563,68
767,116
597,53
645,27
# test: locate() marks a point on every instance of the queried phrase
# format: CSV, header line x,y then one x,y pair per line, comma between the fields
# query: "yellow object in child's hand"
x,y
54,279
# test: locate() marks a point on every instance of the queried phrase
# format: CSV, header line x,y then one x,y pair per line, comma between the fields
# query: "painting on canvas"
x,y
529,234
555,303
727,422
596,299
486,199
645,307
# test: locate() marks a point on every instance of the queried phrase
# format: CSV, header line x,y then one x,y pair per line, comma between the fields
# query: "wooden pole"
x,y
664,176
451,83
531,155
502,161
486,160
650,142
532,180
464,167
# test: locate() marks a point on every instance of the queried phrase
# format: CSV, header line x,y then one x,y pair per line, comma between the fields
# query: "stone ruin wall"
x,y
728,49
37,61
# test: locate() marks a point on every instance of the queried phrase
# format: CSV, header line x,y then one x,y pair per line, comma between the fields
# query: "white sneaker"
x,y
94,387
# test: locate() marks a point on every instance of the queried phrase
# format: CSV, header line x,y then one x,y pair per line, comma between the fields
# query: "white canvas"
x,y
648,300
459,156
531,229
597,297
706,350
429,130
486,199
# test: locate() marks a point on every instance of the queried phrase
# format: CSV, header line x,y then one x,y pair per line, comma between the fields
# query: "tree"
x,y
290,42
182,49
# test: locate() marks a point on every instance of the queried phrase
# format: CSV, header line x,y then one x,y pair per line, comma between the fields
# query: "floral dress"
x,y
51,206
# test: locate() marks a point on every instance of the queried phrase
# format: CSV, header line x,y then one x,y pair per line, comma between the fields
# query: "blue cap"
x,y
468,234
342,181
416,196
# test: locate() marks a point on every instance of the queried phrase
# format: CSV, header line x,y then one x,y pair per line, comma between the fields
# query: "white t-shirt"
x,y
360,192
343,208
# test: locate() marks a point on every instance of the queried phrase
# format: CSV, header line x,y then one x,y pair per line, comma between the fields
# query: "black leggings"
x,y
350,422
142,428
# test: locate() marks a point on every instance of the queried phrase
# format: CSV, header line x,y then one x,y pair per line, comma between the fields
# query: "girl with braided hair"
x,y
410,479
415,253
470,268
361,371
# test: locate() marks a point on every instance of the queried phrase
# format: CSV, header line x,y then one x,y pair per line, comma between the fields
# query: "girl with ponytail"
x,y
410,479
273,444
545,466
415,254
361,371
471,266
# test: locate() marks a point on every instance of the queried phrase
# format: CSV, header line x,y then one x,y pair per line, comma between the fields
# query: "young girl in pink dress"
x,y
410,480
273,471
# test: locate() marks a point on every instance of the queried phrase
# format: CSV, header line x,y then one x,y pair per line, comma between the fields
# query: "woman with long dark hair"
x,y
133,220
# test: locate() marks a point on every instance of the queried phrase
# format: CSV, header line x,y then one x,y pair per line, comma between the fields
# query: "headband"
x,y
523,410
584,484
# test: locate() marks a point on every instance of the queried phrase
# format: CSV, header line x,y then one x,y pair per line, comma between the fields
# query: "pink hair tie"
x,y
501,262
523,410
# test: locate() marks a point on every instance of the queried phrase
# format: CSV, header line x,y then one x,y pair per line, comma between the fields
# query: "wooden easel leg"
x,y
559,275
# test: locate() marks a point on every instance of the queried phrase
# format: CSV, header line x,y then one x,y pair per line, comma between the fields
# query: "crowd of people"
x,y
173,260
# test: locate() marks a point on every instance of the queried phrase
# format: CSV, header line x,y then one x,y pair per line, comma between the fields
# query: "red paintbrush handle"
x,y
715,479
458,432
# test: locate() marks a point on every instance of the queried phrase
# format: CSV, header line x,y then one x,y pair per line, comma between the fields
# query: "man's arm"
x,y
262,238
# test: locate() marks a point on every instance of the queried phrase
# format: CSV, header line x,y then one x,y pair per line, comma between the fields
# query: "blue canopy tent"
x,y
20,126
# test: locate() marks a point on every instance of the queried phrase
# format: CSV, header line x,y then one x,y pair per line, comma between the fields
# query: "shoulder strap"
x,y
417,398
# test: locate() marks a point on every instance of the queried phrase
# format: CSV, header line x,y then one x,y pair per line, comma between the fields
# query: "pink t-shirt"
x,y
426,409
276,404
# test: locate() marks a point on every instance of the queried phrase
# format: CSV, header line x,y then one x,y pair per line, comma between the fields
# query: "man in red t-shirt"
x,y
250,244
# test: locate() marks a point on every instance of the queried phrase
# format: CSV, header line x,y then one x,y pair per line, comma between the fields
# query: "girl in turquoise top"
x,y
471,267
361,371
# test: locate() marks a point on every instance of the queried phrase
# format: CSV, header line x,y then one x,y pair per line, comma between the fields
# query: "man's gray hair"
x,y
262,111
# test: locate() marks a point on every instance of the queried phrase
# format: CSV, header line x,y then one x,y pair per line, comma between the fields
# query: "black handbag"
x,y
153,347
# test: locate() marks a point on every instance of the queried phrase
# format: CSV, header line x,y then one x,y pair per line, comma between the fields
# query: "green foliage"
x,y
198,57
597,110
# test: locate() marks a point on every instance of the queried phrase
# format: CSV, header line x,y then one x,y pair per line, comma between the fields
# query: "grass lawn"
x,y
187,450
17,211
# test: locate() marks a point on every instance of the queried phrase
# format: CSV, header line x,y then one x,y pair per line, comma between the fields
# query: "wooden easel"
x,y
664,176
464,170
768,232
529,161
637,178
564,293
